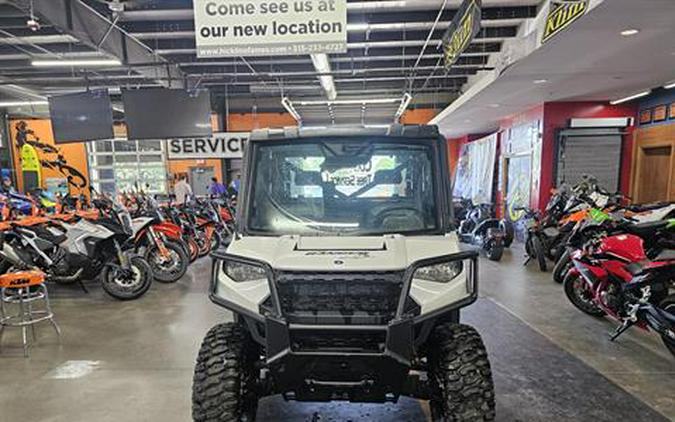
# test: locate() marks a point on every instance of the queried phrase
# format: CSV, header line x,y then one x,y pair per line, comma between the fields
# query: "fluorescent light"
x,y
322,66
288,105
405,101
670,85
631,97
493,105
23,103
351,102
76,62
630,31
539,81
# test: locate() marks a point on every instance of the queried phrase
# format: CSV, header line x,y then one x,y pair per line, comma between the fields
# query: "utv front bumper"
x,y
317,353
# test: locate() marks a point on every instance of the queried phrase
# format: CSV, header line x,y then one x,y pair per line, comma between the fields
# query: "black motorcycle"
x,y
481,229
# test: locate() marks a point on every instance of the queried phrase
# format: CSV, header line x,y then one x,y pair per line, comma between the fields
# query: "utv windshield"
x,y
344,187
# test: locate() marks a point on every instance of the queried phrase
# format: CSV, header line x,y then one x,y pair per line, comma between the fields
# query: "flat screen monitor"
x,y
158,113
83,116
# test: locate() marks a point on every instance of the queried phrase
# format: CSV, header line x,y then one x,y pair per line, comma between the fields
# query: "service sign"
x,y
561,14
464,27
233,28
220,145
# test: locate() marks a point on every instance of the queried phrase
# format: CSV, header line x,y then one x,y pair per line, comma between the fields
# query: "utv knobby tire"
x,y
463,389
223,384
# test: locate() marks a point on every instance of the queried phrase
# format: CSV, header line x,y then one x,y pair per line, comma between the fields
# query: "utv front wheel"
x,y
460,376
223,388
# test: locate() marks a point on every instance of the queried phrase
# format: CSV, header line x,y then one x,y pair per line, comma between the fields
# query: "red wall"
x,y
556,116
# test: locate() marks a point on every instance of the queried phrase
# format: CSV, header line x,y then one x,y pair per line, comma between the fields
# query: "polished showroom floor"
x,y
133,361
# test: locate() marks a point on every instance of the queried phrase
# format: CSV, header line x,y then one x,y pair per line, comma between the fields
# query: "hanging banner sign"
x,y
232,28
463,29
220,145
561,14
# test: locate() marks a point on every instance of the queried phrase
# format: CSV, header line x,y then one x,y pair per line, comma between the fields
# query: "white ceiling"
x,y
589,61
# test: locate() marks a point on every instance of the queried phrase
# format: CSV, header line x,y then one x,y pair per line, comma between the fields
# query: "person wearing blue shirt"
x,y
217,189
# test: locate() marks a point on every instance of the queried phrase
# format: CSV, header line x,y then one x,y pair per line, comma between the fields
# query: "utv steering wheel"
x,y
379,218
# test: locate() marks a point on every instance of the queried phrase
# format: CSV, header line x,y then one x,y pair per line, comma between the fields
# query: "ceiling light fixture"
x,y
322,67
629,98
670,85
288,105
405,102
76,63
494,105
351,102
540,81
23,103
630,31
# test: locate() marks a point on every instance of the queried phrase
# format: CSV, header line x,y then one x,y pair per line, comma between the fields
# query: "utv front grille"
x,y
338,341
339,297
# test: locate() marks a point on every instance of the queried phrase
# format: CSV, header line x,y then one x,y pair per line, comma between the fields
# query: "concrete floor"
x,y
133,361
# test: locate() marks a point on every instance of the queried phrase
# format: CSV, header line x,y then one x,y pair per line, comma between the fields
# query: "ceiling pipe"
x,y
351,27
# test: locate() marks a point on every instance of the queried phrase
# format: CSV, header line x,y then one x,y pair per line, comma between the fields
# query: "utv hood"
x,y
343,253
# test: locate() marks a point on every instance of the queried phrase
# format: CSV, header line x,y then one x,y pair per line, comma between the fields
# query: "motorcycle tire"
x,y
205,247
216,241
171,271
584,304
494,249
193,249
509,233
538,251
562,266
668,305
122,289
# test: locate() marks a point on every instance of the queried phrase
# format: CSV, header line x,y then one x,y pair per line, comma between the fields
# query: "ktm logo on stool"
x,y
19,282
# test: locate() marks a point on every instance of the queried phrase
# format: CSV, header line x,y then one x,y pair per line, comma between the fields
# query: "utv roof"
x,y
295,132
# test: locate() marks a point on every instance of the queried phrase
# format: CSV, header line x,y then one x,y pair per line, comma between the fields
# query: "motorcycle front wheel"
x,y
579,293
127,284
167,269
538,251
494,249
668,305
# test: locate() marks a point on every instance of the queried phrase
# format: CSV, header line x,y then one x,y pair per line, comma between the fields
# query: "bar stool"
x,y
23,289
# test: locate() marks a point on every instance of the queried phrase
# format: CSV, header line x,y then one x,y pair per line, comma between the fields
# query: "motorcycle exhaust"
x,y
67,279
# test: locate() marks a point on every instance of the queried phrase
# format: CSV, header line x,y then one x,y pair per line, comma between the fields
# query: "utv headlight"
x,y
440,273
241,272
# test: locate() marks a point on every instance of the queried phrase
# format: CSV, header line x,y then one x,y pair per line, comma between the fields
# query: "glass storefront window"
x,y
121,165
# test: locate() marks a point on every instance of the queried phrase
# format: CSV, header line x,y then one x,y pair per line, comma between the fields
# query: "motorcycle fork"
x,y
121,256
159,242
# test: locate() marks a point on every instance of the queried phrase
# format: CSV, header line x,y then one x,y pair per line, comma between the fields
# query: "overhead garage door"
x,y
595,152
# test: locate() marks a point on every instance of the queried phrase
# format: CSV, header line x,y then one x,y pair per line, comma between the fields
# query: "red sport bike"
x,y
613,276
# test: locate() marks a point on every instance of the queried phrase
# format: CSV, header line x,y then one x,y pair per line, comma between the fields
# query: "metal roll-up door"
x,y
595,152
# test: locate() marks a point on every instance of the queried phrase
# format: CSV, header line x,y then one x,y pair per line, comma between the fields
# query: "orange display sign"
x,y
646,116
659,113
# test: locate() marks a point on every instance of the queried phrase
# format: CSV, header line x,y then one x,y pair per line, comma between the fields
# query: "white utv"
x,y
345,279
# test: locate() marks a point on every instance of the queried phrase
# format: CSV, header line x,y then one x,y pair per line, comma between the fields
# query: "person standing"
x,y
236,184
182,190
217,189
7,186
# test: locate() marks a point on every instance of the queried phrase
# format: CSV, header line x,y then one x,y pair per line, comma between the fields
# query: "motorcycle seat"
x,y
646,229
665,255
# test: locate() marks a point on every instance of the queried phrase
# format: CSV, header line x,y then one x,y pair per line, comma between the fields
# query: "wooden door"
x,y
654,174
